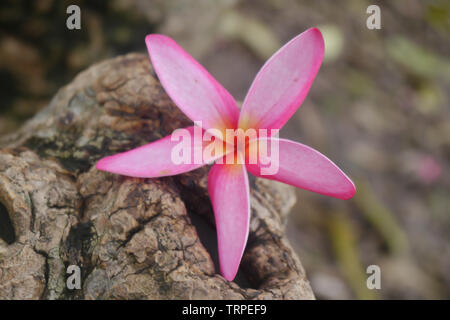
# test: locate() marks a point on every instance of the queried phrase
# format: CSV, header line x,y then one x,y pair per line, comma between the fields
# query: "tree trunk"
x,y
132,238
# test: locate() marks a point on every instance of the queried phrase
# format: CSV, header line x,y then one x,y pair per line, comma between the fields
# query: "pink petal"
x,y
230,196
306,168
153,160
283,82
190,86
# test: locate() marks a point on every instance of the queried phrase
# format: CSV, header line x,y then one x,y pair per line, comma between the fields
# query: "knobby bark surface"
x,y
132,238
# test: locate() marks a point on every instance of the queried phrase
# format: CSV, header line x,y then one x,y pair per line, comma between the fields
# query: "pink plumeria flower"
x,y
277,91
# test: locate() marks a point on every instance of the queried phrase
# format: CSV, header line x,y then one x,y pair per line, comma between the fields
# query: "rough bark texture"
x,y
132,238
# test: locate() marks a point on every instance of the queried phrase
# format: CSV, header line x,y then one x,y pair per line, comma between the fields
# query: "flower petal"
x,y
283,82
190,85
156,159
303,167
230,196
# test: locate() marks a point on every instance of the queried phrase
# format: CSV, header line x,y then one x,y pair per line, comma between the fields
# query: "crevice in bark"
x,y
7,233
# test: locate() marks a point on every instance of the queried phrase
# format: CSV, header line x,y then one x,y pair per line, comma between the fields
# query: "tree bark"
x,y
132,238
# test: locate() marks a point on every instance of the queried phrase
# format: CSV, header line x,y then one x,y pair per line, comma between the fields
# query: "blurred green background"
x,y
379,108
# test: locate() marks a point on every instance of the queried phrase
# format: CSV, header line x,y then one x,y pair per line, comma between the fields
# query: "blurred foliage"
x,y
38,53
381,218
379,108
342,236
417,60
334,41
